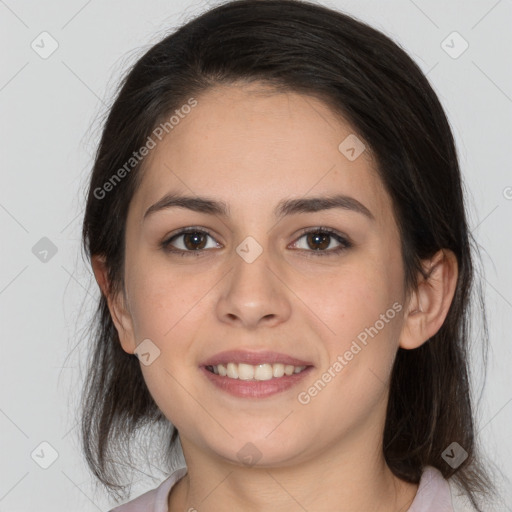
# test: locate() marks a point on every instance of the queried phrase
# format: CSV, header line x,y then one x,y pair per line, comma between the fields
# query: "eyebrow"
x,y
283,208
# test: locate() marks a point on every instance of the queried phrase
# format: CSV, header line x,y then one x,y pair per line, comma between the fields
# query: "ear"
x,y
116,305
429,304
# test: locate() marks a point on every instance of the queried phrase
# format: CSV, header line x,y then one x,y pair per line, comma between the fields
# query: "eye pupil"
x,y
318,238
195,236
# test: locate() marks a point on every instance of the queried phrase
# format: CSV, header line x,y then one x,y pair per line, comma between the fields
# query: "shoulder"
x,y
460,500
439,494
154,500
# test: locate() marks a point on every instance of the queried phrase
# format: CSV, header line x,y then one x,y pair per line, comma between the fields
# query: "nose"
x,y
254,293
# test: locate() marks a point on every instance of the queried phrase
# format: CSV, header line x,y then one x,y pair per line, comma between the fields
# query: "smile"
x,y
260,372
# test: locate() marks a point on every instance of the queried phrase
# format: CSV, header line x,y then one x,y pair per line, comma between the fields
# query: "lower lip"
x,y
255,388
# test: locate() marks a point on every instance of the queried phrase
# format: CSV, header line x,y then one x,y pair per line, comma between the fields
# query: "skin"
x,y
252,147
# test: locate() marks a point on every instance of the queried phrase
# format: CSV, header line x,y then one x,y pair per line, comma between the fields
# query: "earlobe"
x,y
116,305
430,302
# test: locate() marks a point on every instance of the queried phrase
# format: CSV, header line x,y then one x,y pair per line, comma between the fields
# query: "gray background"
x,y
50,112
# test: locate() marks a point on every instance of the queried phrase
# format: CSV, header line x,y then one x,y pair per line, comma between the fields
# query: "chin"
x,y
256,448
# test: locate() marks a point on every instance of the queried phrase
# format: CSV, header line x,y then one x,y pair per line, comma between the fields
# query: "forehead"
x,y
250,146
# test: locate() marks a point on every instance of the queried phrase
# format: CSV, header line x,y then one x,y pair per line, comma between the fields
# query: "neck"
x,y
349,478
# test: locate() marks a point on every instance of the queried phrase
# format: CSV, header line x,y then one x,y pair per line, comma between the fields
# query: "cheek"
x,y
168,311
357,298
169,307
364,319
163,300
363,311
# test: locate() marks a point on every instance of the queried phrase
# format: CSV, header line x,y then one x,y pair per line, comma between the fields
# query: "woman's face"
x,y
260,286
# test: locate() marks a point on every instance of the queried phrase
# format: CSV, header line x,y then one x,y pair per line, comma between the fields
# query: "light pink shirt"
x,y
435,494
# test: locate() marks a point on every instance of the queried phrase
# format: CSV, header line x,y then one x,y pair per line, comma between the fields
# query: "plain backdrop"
x,y
50,118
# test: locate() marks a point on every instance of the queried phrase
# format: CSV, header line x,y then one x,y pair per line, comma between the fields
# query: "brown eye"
x,y
194,241
319,240
190,240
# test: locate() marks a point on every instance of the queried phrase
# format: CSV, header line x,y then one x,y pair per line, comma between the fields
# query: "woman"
x,y
276,222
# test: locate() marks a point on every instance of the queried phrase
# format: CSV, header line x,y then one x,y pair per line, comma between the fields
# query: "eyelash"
x,y
345,244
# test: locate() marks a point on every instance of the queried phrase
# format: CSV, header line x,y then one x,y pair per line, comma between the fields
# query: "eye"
x,y
193,240
320,239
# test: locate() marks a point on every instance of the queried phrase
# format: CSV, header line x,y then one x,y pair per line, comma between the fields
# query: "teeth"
x,y
278,370
245,371
232,371
264,371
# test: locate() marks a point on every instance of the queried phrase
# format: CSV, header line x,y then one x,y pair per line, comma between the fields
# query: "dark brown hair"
x,y
366,78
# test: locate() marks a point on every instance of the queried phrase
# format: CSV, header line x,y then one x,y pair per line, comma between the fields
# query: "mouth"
x,y
254,374
260,372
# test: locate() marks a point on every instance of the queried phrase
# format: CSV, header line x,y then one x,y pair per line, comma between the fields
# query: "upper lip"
x,y
253,358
